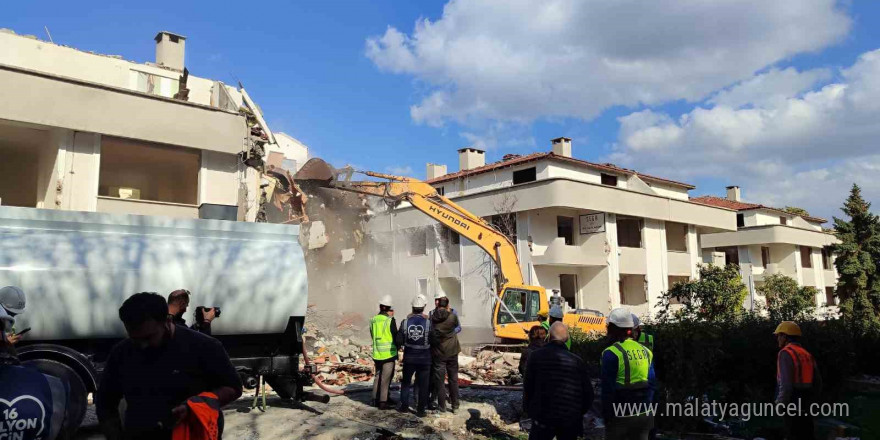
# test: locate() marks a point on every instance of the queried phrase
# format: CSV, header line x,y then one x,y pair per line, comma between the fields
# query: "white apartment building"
x,y
770,241
602,235
88,132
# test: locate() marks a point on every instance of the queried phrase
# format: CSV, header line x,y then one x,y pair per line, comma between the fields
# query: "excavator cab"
x,y
516,311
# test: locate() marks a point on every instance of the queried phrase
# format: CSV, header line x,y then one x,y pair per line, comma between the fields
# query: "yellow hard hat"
x,y
542,313
788,328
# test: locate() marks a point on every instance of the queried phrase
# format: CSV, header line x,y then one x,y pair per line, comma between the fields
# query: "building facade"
x,y
773,241
88,132
603,236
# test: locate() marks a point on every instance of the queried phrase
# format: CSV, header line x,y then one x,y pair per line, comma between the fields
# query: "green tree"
x,y
717,296
858,285
797,211
786,301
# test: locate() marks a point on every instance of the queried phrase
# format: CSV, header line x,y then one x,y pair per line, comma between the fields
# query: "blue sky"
x,y
354,81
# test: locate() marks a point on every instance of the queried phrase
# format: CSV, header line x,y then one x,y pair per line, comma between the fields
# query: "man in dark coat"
x,y
557,391
444,353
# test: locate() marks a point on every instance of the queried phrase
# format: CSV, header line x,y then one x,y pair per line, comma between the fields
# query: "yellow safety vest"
x,y
383,338
633,363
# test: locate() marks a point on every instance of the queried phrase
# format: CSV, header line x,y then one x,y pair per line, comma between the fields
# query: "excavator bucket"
x,y
317,172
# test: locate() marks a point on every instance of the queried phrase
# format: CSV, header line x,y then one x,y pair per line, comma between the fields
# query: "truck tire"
x,y
77,401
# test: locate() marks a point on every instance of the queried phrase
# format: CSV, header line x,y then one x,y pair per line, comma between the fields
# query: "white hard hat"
x,y
385,301
419,301
440,294
556,312
12,299
621,317
636,321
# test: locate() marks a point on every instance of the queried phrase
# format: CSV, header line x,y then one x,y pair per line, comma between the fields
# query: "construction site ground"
x,y
484,414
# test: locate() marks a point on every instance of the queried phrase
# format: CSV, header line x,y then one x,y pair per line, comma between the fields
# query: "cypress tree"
x,y
857,257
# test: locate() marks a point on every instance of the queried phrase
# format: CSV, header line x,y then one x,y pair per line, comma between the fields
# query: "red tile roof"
x,y
721,202
552,156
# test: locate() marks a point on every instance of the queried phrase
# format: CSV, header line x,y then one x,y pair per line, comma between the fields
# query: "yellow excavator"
x,y
518,305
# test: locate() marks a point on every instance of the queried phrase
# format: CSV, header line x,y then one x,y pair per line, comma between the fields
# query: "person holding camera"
x,y
204,316
178,302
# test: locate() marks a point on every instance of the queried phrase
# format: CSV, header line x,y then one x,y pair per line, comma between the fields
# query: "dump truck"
x,y
77,268
517,306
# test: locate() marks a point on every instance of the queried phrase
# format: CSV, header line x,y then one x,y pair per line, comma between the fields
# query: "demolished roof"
x,y
519,160
721,202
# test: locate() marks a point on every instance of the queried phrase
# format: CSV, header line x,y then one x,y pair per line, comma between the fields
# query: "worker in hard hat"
x,y
556,315
641,335
627,377
382,330
438,296
797,379
12,302
413,339
542,318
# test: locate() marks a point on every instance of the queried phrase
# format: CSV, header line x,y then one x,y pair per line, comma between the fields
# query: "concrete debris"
x,y
316,236
490,368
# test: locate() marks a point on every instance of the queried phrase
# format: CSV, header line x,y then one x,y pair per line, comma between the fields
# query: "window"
x,y
422,286
441,190
672,280
783,220
629,232
418,242
568,287
565,229
506,224
676,237
139,170
526,175
632,290
154,84
518,306
740,220
806,257
765,256
450,246
731,254
608,179
829,296
826,258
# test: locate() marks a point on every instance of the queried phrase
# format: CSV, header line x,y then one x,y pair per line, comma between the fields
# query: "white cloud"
x,y
804,150
521,60
399,170
773,86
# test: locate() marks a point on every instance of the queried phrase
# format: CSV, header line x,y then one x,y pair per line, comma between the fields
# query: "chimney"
x,y
170,50
470,158
435,170
733,194
562,146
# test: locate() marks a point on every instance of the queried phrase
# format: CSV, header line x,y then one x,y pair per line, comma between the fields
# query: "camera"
x,y
200,313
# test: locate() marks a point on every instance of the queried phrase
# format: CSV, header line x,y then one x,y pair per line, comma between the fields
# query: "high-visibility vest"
x,y
383,338
646,339
202,422
633,363
803,366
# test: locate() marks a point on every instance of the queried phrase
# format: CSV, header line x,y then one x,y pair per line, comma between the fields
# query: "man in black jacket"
x,y
557,391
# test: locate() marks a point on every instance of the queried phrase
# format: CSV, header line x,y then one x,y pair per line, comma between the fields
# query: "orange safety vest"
x,y
803,365
202,421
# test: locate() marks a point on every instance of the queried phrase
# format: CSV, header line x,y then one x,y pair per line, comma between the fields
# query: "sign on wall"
x,y
592,223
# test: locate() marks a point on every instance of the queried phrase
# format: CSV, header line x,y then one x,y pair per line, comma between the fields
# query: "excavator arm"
x,y
396,189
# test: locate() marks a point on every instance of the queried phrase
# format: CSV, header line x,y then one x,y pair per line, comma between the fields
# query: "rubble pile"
x,y
341,362
490,368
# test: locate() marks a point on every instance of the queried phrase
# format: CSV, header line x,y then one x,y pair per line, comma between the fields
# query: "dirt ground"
x,y
484,414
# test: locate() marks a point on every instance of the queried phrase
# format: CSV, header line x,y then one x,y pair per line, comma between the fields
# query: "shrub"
x,y
717,295
786,301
